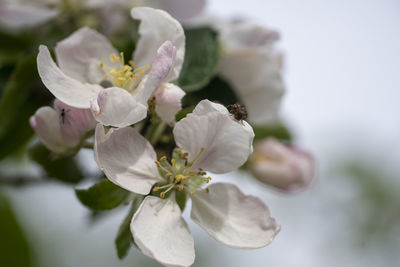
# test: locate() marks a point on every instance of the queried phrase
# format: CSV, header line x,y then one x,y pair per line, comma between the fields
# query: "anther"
x,y
169,174
180,187
157,163
162,194
207,190
192,192
163,158
156,188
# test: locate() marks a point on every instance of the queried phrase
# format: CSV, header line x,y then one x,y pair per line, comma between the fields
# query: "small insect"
x,y
63,114
238,111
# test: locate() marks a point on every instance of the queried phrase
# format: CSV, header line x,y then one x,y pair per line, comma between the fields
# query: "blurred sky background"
x,y
342,70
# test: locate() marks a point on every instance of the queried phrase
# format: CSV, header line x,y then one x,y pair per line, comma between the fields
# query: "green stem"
x,y
157,133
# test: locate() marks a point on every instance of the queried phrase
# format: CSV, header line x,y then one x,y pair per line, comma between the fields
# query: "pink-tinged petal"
x,y
285,168
46,124
156,27
243,35
126,158
70,91
160,67
227,143
81,52
168,101
14,17
118,108
182,10
233,218
161,233
74,122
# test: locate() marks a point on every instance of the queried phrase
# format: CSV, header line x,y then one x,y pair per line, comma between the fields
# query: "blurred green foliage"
x,y
63,169
201,58
102,196
14,247
375,210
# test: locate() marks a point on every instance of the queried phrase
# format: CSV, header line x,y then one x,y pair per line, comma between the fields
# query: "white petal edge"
x,y
70,91
156,27
15,17
183,10
161,233
233,218
168,99
160,68
80,50
116,107
227,143
126,158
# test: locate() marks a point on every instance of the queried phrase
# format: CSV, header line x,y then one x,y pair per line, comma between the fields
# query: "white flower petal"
x,y
70,91
242,34
77,53
117,107
256,78
233,218
17,16
160,67
206,106
227,143
168,101
46,124
126,158
161,233
156,27
182,10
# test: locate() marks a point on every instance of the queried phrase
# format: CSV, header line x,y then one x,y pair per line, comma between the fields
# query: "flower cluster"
x,y
160,143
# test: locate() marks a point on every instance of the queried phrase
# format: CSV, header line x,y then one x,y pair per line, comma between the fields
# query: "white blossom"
x,y
92,74
209,139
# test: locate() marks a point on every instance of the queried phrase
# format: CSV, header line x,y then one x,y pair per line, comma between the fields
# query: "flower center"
x,y
124,76
179,175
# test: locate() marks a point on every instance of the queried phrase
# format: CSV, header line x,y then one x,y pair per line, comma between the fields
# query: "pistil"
x,y
179,175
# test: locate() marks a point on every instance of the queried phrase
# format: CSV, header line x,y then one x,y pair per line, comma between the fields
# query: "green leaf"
x,y
14,247
20,99
63,169
124,239
102,196
201,58
279,131
181,197
183,112
217,90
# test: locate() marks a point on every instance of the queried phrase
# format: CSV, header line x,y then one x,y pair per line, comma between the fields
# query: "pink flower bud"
x,y
285,168
168,101
61,128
